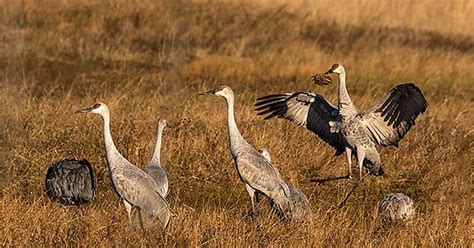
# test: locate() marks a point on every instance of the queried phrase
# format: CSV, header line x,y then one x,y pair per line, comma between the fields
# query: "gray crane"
x,y
256,172
298,199
344,127
71,181
396,207
154,168
134,187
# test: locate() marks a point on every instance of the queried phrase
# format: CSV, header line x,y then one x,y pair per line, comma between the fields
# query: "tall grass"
x,y
148,60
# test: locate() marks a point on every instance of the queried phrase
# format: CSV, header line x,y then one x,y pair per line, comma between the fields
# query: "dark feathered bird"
x,y
71,181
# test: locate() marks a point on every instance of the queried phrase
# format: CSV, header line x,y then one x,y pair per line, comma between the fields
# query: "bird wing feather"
x,y
389,120
159,176
308,110
140,190
260,174
71,181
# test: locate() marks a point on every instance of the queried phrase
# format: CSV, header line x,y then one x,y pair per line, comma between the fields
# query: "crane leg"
x,y
128,207
140,218
253,197
348,176
349,161
360,158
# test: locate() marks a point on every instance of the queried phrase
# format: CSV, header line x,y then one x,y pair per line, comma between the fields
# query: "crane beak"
x,y
86,110
169,125
328,72
211,92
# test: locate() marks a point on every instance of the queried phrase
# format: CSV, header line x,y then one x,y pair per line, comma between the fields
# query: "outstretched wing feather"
x,y
389,121
308,110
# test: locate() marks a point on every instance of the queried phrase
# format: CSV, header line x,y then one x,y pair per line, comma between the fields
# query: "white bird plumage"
x,y
134,187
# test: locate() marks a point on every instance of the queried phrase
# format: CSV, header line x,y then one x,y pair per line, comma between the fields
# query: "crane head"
x,y
223,90
97,108
162,123
335,68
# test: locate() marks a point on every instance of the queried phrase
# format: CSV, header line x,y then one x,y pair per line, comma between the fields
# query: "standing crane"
x,y
134,187
71,181
344,127
154,168
255,171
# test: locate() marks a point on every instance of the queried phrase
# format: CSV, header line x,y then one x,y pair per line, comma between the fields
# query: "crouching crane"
x,y
396,207
71,181
344,127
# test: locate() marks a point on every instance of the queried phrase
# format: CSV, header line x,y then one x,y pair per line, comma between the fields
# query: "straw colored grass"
x,y
148,60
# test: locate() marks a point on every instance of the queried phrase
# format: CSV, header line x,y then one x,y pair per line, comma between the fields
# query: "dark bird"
x,y
71,181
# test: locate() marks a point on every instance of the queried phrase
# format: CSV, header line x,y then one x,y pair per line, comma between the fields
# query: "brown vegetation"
x,y
148,60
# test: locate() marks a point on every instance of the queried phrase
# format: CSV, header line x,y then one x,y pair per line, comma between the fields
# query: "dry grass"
x,y
148,60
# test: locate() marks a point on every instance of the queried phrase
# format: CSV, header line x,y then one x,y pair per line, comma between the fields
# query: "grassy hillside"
x,y
149,59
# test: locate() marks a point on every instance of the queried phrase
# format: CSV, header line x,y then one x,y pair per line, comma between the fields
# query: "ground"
x,y
149,60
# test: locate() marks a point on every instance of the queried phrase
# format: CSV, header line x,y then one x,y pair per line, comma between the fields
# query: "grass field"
x,y
149,59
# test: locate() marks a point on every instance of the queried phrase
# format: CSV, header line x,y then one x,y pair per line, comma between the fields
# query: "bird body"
x,y
154,168
396,207
344,127
256,172
71,181
298,199
135,188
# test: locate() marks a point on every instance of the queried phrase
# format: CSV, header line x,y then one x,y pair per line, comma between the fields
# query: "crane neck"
x,y
155,160
110,149
235,138
345,105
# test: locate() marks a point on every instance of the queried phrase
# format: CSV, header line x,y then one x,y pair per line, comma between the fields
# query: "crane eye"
x,y
96,105
334,66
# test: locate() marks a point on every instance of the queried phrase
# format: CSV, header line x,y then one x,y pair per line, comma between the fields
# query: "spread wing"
x,y
308,110
389,121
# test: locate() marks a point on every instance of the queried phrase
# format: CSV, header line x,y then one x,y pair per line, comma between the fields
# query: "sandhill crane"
x,y
154,168
297,198
256,172
396,207
344,127
71,181
135,188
